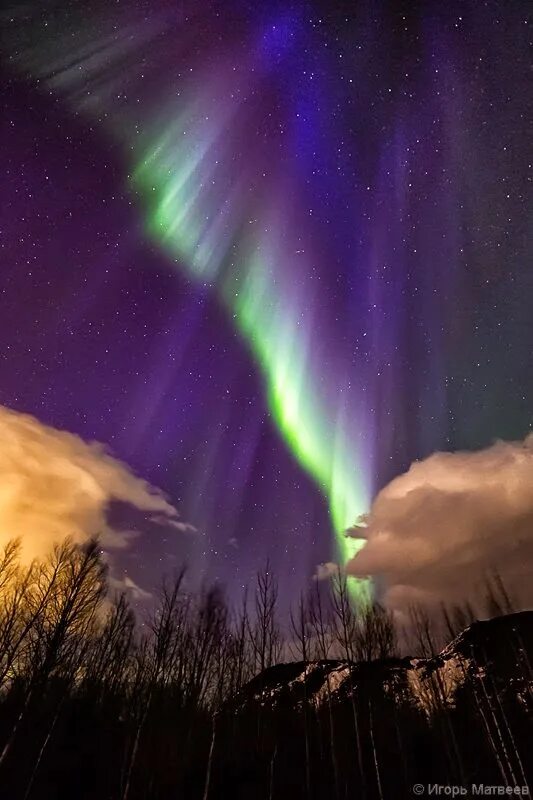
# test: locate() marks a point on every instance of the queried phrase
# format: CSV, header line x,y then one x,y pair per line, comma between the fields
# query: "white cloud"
x,y
129,586
434,532
178,524
326,570
54,485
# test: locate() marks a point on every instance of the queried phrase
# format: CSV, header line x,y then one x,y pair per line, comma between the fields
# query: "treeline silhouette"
x,y
193,700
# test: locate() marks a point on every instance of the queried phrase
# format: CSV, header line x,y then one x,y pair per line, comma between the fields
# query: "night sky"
x,y
268,253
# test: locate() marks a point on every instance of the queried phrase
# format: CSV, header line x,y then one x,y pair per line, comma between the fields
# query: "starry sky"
x,y
269,253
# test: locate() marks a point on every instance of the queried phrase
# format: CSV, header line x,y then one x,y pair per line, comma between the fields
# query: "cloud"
x,y
129,586
54,485
326,570
435,532
178,524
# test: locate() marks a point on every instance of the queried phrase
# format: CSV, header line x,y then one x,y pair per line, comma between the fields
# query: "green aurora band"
x,y
171,177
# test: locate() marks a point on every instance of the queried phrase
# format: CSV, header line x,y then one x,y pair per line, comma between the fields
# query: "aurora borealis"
x,y
267,310
269,253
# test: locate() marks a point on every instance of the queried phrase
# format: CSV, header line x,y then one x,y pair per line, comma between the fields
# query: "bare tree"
x,y
345,626
243,658
300,630
207,643
422,632
110,650
374,633
300,645
62,607
156,662
9,564
344,616
264,632
497,599
320,615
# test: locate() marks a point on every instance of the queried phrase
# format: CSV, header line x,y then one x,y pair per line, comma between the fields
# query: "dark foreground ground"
x,y
323,729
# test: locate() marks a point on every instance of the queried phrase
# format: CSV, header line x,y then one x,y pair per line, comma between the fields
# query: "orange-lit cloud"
x,y
54,485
